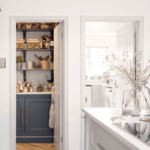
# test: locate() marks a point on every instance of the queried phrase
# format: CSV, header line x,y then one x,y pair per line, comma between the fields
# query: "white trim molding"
x,y
12,73
83,20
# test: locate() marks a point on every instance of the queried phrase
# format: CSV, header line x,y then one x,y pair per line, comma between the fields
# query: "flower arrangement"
x,y
129,69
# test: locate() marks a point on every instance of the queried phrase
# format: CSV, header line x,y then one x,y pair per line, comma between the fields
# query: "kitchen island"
x,y
102,134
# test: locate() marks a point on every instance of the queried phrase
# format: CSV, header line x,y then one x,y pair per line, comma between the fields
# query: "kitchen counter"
x,y
34,93
101,116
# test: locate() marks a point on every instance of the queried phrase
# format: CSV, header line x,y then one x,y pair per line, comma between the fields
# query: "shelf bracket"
x,y
24,75
24,55
24,35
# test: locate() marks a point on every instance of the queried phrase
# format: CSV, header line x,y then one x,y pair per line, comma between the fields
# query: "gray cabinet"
x,y
33,119
20,115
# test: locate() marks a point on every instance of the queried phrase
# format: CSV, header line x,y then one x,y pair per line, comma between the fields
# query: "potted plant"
x,y
39,88
19,61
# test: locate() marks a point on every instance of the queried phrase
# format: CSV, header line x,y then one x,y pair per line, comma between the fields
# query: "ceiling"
x,y
103,28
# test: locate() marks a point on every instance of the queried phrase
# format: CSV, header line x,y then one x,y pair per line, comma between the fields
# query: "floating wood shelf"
x,y
31,30
34,49
35,70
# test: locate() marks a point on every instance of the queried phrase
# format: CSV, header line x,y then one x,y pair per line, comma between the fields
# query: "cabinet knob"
x,y
100,146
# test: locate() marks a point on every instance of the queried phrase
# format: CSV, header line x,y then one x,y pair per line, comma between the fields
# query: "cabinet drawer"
x,y
98,143
101,140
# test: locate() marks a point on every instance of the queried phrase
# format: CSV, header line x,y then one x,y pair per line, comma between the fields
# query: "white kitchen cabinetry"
x,y
99,138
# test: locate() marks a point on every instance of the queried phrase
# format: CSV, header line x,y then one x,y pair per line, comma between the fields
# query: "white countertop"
x,y
102,117
34,93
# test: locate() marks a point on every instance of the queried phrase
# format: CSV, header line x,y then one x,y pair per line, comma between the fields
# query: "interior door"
x,y
125,42
58,85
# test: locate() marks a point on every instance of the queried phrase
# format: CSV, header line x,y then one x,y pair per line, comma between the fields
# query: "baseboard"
x,y
35,140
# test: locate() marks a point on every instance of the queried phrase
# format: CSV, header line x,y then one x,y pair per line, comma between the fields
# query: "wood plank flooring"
x,y
35,146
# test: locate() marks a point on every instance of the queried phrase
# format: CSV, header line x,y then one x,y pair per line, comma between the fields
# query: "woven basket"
x,y
28,25
33,43
20,43
45,64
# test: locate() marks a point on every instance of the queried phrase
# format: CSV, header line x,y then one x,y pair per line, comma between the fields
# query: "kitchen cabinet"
x,y
20,115
102,140
33,119
98,135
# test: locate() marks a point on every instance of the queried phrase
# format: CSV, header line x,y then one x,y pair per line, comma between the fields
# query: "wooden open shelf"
x,y
34,69
31,30
34,49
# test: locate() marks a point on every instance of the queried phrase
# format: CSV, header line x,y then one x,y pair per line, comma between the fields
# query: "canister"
x,y
31,89
30,65
29,84
25,89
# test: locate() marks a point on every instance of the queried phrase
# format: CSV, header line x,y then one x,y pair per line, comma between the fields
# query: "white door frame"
x,y
12,73
85,19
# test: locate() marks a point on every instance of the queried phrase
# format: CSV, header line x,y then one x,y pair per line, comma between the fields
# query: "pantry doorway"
x,y
61,59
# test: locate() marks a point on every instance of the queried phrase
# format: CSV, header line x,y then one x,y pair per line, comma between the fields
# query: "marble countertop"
x,y
102,116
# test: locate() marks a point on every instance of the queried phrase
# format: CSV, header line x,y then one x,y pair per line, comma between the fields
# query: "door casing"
x,y
83,20
12,73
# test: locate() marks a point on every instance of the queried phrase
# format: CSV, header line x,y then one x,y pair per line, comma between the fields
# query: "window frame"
x,y
89,55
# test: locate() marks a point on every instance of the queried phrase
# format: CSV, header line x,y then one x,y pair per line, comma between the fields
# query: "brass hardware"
x,y
22,115
26,115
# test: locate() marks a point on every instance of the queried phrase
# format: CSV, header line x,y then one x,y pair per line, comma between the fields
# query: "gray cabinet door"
x,y
20,115
37,115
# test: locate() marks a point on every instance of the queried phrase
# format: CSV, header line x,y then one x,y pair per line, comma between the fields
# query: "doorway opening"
x,y
39,83
103,39
103,36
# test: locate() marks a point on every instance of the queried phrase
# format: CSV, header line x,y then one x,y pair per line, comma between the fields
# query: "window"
x,y
94,58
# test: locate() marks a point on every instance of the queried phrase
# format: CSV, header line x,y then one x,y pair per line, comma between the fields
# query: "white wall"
x,y
73,9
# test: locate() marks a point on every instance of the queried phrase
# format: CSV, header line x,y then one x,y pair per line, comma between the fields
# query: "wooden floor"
x,y
35,146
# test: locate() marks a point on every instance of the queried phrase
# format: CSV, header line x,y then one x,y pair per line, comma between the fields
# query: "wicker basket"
x,y
23,25
18,25
20,43
33,43
28,25
46,26
44,63
34,26
41,25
